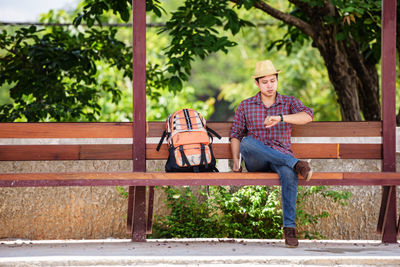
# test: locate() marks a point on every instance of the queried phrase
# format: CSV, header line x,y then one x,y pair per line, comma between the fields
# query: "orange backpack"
x,y
189,143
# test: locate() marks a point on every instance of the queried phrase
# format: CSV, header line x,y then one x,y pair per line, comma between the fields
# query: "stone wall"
x,y
100,212
359,219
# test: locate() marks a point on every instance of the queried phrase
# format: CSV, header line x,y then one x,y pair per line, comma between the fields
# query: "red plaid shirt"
x,y
250,115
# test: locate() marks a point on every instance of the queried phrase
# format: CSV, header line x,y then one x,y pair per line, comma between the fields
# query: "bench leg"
x,y
387,224
129,220
398,226
150,208
382,210
137,212
139,215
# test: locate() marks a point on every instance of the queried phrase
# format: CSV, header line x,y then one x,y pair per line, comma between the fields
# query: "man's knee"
x,y
287,173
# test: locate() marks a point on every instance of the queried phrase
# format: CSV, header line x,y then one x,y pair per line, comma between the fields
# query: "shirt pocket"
x,y
256,119
283,109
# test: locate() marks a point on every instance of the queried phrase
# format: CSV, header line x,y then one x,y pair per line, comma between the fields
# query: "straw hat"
x,y
264,68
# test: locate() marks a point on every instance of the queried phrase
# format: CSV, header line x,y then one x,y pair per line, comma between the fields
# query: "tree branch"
x,y
327,10
301,5
288,19
331,10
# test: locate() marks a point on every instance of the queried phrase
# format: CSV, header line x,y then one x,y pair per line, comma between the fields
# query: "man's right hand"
x,y
235,148
236,166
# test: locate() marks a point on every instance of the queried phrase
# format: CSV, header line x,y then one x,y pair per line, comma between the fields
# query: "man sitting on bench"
x,y
261,132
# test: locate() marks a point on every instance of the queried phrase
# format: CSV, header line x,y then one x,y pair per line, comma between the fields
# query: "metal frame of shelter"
x,y
387,223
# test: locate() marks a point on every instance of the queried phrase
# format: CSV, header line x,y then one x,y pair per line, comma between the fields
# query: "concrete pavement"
x,y
196,252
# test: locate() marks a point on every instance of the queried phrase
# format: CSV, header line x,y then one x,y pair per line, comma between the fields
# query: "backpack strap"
x,y
212,156
161,140
185,161
187,118
213,132
203,158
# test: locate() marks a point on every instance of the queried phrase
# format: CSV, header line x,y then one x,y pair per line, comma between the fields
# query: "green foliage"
x,y
353,20
248,212
193,28
189,218
361,21
94,10
195,31
54,75
161,107
104,91
122,191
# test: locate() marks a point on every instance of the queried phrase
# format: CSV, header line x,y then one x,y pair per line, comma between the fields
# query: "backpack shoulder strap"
x,y
203,158
213,132
161,140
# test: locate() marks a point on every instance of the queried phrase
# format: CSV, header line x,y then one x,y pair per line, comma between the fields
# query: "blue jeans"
x,y
261,158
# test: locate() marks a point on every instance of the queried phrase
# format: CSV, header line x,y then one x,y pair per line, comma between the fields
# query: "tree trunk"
x,y
368,91
354,78
341,74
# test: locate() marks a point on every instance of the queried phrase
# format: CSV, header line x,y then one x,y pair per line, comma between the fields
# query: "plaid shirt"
x,y
250,115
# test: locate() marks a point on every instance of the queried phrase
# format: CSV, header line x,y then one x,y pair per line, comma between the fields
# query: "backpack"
x,y
189,143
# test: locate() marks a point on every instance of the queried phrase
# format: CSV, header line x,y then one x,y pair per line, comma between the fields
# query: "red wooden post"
x,y
129,221
138,200
150,209
387,218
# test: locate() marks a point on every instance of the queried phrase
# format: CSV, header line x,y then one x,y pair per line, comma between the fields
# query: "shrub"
x,y
189,217
248,212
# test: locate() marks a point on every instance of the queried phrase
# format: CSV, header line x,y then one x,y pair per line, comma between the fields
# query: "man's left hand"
x,y
271,121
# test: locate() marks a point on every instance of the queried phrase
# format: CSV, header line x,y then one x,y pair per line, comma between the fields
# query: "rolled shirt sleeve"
x,y
238,130
297,106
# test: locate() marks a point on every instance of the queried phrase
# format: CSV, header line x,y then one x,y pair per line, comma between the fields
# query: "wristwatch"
x,y
281,117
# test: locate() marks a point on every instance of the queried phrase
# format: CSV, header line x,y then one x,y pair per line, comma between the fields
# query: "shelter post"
x,y
137,194
387,218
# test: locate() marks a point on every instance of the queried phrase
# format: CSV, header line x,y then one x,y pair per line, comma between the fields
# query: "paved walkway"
x,y
197,252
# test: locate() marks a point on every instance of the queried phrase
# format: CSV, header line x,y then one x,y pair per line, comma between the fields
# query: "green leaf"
x,y
341,36
175,84
78,20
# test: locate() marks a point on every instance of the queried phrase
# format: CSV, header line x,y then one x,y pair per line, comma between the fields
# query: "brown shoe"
x,y
290,237
303,168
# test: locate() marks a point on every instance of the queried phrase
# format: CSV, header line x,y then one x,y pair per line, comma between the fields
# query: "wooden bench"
x,y
139,178
317,140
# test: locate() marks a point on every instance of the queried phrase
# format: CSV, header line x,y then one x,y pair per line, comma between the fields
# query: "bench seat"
x,y
182,179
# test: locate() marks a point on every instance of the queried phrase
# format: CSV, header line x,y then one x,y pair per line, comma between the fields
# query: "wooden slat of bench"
x,y
65,152
371,175
312,151
124,152
339,129
158,179
39,152
223,151
313,129
124,130
364,151
66,130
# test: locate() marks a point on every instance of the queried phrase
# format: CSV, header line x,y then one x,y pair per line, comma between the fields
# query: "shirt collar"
x,y
278,99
